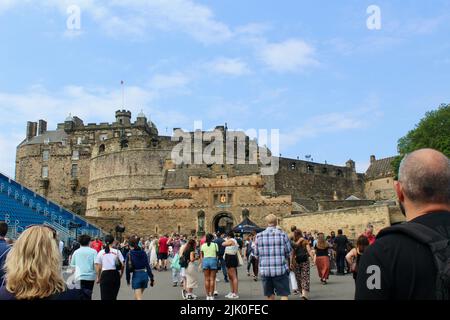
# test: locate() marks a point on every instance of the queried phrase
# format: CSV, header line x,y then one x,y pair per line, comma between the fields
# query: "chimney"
x,y
31,130
372,159
42,127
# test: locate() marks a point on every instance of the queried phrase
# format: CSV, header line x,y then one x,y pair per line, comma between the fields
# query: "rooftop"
x,y
380,168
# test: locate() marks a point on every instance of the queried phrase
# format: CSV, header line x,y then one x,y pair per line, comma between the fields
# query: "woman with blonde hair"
x,y
33,269
322,260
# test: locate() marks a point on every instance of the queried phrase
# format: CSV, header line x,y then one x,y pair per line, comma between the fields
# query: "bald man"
x,y
398,266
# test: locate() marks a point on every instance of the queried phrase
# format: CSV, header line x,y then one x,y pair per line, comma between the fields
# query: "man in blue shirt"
x,y
4,248
83,260
273,249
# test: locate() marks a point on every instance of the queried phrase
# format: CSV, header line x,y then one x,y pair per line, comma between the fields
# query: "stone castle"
x,y
122,173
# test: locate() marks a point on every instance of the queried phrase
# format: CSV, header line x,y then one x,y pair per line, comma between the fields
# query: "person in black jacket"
x,y
136,263
397,266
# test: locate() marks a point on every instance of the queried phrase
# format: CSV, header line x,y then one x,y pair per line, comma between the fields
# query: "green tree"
x,y
433,131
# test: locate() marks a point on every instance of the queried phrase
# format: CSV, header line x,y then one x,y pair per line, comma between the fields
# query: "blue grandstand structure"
x,y
20,208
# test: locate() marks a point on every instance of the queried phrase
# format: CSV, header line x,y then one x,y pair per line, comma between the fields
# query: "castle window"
x,y
103,137
310,168
45,172
387,181
293,166
325,170
245,214
124,143
339,173
83,192
101,149
79,140
76,155
45,155
74,171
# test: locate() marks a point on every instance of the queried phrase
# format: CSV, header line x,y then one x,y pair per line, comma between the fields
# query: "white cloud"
x,y
140,18
229,66
328,123
289,56
169,81
91,105
8,145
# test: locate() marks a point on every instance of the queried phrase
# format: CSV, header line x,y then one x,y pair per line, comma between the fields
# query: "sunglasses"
x,y
55,235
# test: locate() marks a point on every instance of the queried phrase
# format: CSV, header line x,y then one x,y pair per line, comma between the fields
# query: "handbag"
x,y
240,260
130,263
294,285
119,264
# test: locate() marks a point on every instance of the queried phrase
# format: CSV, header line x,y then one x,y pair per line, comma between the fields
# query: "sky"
x,y
339,79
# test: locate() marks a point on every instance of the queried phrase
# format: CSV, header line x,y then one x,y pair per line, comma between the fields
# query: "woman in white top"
x,y
110,265
153,253
232,262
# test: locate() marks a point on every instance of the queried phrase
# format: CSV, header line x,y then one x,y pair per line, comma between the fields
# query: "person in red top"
x,y
163,252
202,241
369,234
97,244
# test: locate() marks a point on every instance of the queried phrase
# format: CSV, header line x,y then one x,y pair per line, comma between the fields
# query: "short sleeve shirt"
x,y
163,247
108,260
210,251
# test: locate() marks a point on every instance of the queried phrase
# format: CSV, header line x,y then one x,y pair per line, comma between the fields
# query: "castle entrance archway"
x,y
223,222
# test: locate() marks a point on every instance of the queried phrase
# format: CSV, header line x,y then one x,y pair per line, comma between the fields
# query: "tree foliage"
x,y
433,131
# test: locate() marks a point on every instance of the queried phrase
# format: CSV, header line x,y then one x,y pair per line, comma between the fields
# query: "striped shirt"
x,y
273,248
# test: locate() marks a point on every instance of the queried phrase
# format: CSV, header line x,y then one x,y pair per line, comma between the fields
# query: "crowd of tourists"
x,y
105,262
31,267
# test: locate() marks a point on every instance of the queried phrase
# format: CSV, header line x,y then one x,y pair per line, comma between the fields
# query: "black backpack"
x,y
439,246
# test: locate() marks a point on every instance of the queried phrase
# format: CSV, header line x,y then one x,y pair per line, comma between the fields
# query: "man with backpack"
x,y
411,261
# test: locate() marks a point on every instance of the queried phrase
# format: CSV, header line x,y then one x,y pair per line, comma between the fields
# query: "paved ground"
x,y
338,288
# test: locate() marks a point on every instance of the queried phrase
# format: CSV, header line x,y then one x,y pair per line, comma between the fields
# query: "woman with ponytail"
x,y
110,266
209,251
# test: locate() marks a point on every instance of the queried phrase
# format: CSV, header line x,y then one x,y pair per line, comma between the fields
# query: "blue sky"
x,y
334,88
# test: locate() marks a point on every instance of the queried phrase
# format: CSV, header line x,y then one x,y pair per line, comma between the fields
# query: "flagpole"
x,y
123,95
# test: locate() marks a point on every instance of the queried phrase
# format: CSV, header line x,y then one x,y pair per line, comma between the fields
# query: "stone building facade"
x,y
124,173
379,183
352,221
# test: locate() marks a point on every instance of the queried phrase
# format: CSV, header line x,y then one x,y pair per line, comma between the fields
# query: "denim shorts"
x,y
209,264
276,285
140,280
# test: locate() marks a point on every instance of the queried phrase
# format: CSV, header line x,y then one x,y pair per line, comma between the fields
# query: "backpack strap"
x,y
439,246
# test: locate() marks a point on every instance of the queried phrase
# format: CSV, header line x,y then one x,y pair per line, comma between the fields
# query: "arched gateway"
x,y
223,222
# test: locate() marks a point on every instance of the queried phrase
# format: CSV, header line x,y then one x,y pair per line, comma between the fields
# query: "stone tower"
x,y
123,117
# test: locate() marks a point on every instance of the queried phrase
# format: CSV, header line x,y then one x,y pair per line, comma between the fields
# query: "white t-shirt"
x,y
108,260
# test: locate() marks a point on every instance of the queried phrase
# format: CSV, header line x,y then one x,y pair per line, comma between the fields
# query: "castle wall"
x,y
327,182
352,221
29,164
341,204
178,210
380,189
